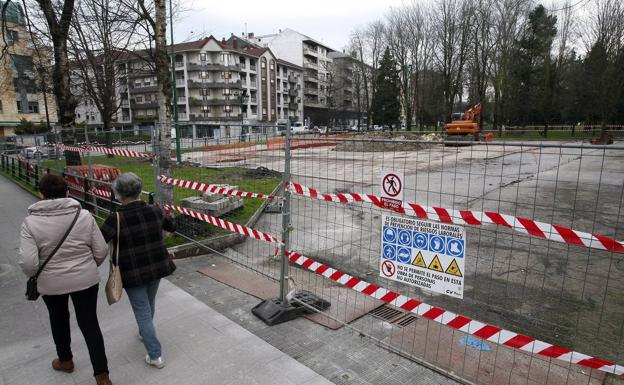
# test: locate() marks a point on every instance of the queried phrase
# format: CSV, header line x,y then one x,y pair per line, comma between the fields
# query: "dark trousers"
x,y
85,304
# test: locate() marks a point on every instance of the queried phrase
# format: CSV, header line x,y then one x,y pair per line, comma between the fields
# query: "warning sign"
x,y
428,255
419,260
453,269
392,186
435,265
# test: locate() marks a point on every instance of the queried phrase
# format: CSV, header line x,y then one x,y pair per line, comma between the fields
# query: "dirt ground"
x,y
562,294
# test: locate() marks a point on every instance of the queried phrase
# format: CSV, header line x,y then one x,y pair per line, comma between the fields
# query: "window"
x,y
226,75
272,66
139,99
203,75
226,91
147,83
204,92
12,37
225,59
279,98
0,105
273,111
19,107
264,111
148,98
227,108
203,56
263,64
33,107
205,108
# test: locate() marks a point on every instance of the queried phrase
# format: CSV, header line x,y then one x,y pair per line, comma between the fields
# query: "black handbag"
x,y
31,286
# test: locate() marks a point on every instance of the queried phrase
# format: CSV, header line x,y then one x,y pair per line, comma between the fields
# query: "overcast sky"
x,y
330,21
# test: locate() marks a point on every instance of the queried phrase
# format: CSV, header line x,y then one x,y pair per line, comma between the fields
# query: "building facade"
x,y
222,90
327,75
21,83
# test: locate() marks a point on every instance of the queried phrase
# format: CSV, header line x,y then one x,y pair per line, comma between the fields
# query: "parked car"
x,y
299,127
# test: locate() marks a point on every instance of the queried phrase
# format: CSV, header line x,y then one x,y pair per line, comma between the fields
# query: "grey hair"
x,y
127,185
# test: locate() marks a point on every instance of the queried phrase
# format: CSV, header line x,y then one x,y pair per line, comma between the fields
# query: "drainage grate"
x,y
407,320
387,313
393,316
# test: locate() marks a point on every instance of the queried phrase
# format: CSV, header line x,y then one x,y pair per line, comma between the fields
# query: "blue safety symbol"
x,y
455,247
389,252
404,255
405,237
389,234
436,243
420,240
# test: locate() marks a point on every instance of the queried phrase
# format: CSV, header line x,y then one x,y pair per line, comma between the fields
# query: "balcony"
x,y
252,68
200,117
233,101
144,105
140,90
310,78
310,52
182,116
212,67
293,79
253,100
179,64
309,64
293,92
181,99
253,85
180,83
193,84
310,91
293,106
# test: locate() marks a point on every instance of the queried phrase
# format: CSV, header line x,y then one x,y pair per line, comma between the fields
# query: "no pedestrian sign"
x,y
428,255
392,187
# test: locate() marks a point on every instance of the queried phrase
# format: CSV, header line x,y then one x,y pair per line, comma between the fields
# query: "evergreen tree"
x,y
533,71
386,106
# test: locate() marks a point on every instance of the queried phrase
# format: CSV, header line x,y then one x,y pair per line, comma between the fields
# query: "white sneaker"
x,y
157,363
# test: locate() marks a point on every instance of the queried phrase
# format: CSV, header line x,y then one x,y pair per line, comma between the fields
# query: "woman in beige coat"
x,y
71,272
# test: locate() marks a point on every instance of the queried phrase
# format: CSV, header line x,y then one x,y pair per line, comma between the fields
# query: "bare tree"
x,y
102,31
453,19
397,33
509,18
58,16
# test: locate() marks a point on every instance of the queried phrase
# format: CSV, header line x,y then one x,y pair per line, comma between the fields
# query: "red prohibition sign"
x,y
387,268
391,185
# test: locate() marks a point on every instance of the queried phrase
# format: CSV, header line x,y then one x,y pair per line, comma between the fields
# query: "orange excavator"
x,y
466,123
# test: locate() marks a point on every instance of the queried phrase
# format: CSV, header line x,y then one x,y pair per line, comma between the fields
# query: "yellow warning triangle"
x,y
453,269
435,265
419,261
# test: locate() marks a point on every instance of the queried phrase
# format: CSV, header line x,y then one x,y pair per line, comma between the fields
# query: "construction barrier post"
x,y
277,310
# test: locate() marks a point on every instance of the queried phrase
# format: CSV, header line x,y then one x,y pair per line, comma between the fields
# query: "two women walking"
x,y
71,271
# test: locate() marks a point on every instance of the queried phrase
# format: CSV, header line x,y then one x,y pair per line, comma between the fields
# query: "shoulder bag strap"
x,y
117,243
58,246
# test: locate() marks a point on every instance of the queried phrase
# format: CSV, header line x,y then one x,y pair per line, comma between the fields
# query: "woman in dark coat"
x,y
143,257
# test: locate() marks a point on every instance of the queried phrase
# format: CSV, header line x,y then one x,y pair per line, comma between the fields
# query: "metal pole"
x,y
174,87
156,164
285,219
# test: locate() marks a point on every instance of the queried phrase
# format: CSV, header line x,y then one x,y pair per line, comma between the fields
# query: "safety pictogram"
x,y
388,269
419,261
392,185
435,265
453,269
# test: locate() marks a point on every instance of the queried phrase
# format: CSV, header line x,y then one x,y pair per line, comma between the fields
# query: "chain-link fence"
x,y
533,229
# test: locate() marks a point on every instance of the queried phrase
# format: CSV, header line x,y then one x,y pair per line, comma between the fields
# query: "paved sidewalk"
x,y
200,345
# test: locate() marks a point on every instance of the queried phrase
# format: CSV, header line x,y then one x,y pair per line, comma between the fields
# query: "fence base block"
x,y
273,311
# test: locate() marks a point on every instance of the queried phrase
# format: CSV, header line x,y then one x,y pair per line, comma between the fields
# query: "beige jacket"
x,y
74,266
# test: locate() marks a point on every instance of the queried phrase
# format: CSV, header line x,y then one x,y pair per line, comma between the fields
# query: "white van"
x,y
299,127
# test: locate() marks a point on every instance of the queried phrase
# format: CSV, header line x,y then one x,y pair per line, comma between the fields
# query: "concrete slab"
x,y
346,304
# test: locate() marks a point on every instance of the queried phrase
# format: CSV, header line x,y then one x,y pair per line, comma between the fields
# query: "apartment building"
x,y
20,84
320,86
223,89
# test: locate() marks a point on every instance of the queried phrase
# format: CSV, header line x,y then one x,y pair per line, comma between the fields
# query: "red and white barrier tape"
x,y
227,225
191,185
95,191
467,325
106,150
474,218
